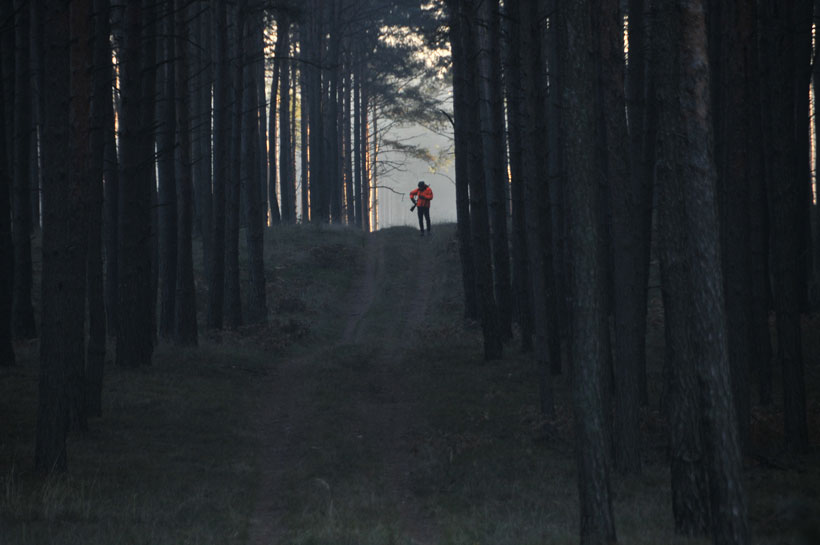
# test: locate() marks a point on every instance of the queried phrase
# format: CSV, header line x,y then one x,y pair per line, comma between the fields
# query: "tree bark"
x,y
629,273
6,246
588,318
479,216
22,311
135,321
95,354
287,183
166,170
696,204
461,142
221,140
185,323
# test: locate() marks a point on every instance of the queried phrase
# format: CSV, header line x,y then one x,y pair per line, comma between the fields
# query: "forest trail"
x,y
383,415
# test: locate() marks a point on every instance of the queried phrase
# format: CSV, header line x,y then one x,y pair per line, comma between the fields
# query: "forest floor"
x,y
362,413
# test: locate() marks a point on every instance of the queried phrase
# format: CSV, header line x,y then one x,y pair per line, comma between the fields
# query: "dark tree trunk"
x,y
347,151
22,311
785,189
687,447
537,211
461,137
257,310
688,105
287,183
364,145
95,354
6,246
629,274
494,154
111,195
185,324
201,134
135,321
233,301
479,216
221,144
36,92
586,286
515,119
304,127
358,165
64,243
166,170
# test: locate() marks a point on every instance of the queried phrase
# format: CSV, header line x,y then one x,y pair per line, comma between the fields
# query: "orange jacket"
x,y
423,196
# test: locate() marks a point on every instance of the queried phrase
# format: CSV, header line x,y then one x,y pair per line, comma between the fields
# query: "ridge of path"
x,y
386,420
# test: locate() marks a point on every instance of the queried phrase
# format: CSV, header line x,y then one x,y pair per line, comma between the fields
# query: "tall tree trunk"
x,y
304,127
785,191
166,170
22,311
36,92
286,179
6,246
221,145
95,354
347,151
687,445
185,325
233,300
494,155
479,216
64,242
689,106
279,55
515,119
461,138
588,311
201,123
135,321
629,276
357,140
111,195
257,299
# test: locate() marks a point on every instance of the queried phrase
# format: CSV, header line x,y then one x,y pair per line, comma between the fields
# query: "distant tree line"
x,y
133,130
574,160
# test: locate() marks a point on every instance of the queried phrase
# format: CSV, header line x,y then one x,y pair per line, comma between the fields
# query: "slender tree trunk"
x,y
479,216
111,195
629,277
221,144
185,324
461,137
36,92
279,55
166,159
257,299
305,124
357,141
286,179
135,322
22,311
95,354
347,152
233,300
6,246
202,134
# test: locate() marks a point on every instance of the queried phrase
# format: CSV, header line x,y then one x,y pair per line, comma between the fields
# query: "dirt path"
x,y
386,420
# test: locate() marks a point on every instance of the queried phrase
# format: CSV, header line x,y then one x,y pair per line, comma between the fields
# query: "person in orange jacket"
x,y
421,198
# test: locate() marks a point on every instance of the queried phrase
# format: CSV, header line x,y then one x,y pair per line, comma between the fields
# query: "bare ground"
x,y
385,422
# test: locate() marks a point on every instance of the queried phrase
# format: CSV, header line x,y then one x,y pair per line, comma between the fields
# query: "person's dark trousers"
x,y
424,214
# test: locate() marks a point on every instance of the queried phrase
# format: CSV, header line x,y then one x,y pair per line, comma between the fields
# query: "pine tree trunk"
x,y
278,60
304,127
286,180
64,248
201,134
257,300
22,311
357,142
233,300
6,246
586,286
785,191
687,448
111,195
166,170
461,142
185,324
36,91
629,276
135,321
479,216
221,145
95,354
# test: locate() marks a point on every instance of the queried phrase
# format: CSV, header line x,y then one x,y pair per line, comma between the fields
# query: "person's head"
x,y
422,185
